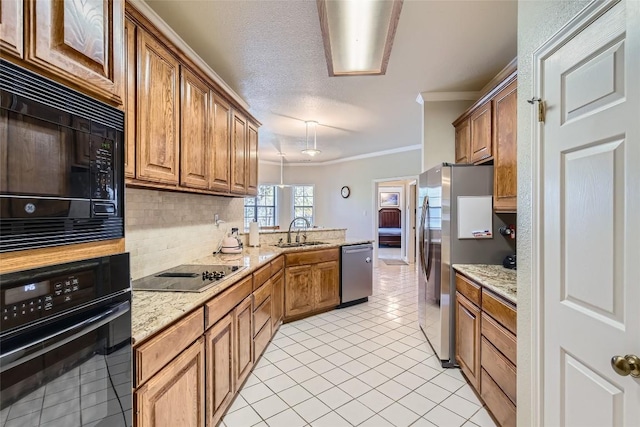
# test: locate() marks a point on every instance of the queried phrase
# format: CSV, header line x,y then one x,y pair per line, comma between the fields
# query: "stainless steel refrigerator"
x,y
447,195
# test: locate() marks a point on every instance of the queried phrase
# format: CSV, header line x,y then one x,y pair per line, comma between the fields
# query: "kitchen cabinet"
x,y
12,28
277,300
505,149
130,73
468,339
243,341
312,282
194,134
157,114
463,140
239,153
79,42
480,125
220,377
252,163
219,153
486,346
175,395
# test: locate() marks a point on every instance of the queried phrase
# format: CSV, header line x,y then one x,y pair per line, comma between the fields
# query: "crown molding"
x,y
349,159
142,7
446,96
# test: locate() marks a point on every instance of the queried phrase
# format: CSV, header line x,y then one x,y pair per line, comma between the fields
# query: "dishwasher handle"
x,y
356,250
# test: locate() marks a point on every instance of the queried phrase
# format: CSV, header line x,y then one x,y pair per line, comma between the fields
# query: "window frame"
x,y
255,206
294,206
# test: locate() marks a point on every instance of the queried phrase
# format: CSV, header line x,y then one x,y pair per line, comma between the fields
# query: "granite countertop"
x,y
153,310
500,280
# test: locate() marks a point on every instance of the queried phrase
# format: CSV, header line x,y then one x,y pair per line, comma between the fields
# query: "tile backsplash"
x,y
165,229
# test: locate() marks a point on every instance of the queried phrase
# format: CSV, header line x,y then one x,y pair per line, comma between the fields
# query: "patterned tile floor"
x,y
366,365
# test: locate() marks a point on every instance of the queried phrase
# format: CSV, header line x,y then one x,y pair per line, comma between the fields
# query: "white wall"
x,y
439,134
537,22
354,213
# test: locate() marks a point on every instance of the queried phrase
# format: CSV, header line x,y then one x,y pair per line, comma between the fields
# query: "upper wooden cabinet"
x,y
505,161
81,42
252,167
12,28
219,153
195,143
480,124
239,154
463,140
130,99
157,113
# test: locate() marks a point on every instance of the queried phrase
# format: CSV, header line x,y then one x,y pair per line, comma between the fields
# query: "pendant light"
x,y
311,151
282,184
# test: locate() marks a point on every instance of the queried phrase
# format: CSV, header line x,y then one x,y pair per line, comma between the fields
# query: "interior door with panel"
x,y
590,210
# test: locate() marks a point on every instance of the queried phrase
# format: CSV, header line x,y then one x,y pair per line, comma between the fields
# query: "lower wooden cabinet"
x,y
277,300
243,357
299,290
327,284
175,395
468,339
220,377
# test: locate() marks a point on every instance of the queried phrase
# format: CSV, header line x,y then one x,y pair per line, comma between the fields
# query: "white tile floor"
x,y
366,365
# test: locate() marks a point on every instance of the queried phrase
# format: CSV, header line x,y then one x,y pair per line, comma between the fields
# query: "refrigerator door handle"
x,y
428,231
423,218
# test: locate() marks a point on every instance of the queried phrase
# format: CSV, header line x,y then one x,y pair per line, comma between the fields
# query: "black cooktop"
x,y
186,278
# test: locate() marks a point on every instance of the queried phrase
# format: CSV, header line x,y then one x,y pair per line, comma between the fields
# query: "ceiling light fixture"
x,y
311,151
358,35
282,184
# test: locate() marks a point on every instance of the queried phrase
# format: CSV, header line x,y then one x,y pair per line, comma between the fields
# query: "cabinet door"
x,y
252,187
130,98
463,141
194,135
505,160
239,176
277,300
220,378
243,341
480,123
175,395
468,339
80,41
12,28
299,290
157,112
219,163
327,284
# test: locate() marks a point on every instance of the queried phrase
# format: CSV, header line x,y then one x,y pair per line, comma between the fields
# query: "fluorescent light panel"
x,y
358,34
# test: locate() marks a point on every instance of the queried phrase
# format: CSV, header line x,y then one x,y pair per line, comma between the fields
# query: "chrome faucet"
x,y
291,225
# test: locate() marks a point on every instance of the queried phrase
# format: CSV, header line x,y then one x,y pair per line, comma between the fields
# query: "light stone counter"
x,y
498,279
154,310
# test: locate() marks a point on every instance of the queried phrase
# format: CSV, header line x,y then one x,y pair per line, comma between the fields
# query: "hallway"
x,y
366,365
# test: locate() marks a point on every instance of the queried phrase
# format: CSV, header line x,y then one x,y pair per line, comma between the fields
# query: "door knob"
x,y
627,365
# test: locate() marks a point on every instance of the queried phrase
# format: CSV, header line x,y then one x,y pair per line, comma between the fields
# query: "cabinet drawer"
x,y
501,370
312,257
261,294
501,339
261,275
261,315
222,304
155,353
469,289
503,312
277,265
498,403
261,340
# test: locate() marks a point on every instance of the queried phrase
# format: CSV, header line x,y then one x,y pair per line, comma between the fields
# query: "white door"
x,y
591,221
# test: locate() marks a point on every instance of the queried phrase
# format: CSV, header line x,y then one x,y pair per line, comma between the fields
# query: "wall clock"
x,y
345,192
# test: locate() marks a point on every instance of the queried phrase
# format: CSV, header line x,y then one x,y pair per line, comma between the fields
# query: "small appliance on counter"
x,y
509,262
231,244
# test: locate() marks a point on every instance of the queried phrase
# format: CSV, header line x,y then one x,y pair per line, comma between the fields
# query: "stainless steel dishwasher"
x,y
356,274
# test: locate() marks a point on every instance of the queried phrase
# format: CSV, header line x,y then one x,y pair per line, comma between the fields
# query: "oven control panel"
x,y
26,302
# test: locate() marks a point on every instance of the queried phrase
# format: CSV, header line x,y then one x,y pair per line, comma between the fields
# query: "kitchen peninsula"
x,y
195,346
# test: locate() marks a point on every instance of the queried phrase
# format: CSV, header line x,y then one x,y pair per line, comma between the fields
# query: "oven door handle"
x,y
30,351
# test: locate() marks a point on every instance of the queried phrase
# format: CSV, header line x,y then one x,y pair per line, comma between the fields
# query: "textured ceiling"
x,y
271,54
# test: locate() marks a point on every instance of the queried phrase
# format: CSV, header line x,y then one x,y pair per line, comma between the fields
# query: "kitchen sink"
x,y
299,244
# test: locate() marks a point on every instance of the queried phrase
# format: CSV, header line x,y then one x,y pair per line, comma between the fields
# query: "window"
x,y
303,204
261,208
